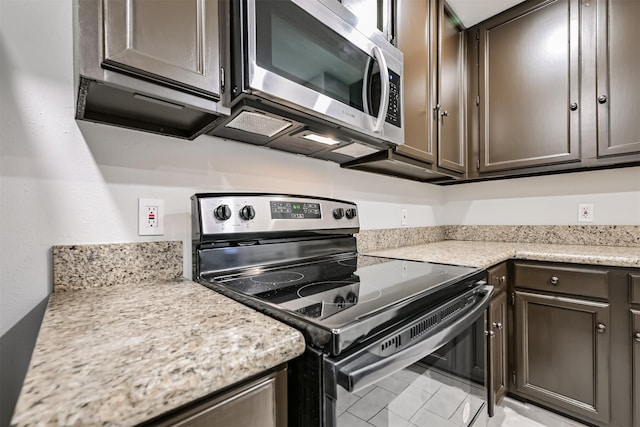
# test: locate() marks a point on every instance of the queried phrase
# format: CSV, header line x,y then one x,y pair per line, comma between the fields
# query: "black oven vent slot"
x,y
452,309
424,326
393,343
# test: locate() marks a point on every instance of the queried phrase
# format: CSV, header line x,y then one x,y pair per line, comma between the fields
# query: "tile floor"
x,y
514,413
416,397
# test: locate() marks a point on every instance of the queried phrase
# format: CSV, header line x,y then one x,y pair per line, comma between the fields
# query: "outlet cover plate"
x,y
585,212
150,217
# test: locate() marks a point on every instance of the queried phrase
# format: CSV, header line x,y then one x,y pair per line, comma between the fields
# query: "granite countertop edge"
x,y
124,354
485,254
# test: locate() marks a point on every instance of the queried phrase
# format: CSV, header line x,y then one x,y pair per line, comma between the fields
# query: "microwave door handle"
x,y
365,87
385,87
364,368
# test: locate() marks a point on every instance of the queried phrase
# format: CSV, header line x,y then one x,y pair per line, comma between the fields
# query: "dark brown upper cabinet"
x,y
435,96
420,82
618,82
529,94
553,87
148,65
171,41
450,108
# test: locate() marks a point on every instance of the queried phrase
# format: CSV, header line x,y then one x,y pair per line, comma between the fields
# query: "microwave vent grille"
x,y
258,123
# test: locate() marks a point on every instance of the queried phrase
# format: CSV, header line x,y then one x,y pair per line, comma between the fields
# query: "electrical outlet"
x,y
150,217
585,212
403,217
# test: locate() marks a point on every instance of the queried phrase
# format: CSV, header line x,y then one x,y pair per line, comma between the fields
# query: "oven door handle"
x,y
364,368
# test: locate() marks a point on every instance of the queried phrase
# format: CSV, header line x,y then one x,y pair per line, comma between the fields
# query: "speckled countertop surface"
x,y
486,254
122,354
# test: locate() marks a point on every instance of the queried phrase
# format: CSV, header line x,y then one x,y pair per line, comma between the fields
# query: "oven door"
x,y
431,371
302,54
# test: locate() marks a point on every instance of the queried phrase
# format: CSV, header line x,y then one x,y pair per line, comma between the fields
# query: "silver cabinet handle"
x,y
445,113
602,99
573,106
497,325
554,280
601,327
636,336
503,279
384,97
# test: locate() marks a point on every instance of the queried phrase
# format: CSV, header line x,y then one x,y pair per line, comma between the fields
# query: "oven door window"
x,y
446,388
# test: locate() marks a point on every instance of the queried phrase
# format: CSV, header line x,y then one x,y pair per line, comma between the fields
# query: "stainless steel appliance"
x,y
305,77
388,340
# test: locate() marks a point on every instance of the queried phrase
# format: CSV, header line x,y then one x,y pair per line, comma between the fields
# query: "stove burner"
x,y
331,292
277,277
351,262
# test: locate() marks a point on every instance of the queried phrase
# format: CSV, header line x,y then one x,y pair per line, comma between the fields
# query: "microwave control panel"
x,y
394,113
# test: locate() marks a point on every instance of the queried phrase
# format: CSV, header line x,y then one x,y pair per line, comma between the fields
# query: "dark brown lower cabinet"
x,y
576,340
635,331
261,402
497,277
498,313
562,353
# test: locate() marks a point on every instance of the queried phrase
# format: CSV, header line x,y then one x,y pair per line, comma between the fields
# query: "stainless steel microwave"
x,y
308,77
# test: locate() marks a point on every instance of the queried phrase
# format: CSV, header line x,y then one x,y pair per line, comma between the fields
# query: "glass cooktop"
x,y
338,291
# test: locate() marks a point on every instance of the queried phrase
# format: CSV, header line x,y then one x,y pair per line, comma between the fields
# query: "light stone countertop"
x,y
486,254
122,354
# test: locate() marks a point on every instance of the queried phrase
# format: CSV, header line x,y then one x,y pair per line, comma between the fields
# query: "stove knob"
x,y
339,301
247,213
352,298
338,213
222,213
350,213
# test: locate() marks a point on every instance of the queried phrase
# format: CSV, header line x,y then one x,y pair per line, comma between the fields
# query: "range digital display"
x,y
295,210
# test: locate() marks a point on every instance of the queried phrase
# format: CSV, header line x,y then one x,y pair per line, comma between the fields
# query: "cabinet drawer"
x,y
497,277
634,288
566,280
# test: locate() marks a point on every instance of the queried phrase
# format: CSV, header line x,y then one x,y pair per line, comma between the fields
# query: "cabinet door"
x,y
419,73
259,403
529,71
618,81
498,310
562,353
175,42
451,121
635,331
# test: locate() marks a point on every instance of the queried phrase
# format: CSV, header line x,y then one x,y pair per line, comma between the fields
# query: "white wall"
x,y
546,200
63,182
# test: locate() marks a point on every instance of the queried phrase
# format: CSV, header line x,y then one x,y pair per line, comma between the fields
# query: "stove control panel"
x,y
222,213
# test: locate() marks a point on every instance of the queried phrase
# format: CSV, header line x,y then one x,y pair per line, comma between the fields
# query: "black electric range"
x,y
363,317
342,299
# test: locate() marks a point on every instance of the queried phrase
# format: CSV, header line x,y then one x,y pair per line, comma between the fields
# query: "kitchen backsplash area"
x,y
85,266
371,240
89,266
593,235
